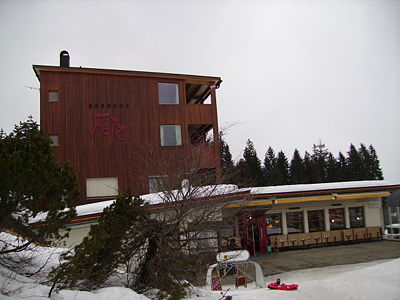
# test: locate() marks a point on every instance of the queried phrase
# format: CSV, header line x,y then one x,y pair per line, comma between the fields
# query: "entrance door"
x,y
253,233
255,236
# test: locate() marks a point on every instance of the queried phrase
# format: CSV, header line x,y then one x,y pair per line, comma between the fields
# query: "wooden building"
x,y
129,129
275,218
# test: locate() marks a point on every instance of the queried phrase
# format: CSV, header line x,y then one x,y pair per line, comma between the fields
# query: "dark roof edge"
x,y
191,78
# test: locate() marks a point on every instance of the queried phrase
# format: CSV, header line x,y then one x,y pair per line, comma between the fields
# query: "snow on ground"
x,y
366,281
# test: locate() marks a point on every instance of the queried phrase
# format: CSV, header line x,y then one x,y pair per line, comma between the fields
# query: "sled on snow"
x,y
277,285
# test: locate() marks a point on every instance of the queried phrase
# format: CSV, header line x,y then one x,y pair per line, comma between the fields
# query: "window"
x,y
294,221
336,218
274,224
316,221
203,240
102,187
53,140
157,184
170,135
53,96
356,216
168,93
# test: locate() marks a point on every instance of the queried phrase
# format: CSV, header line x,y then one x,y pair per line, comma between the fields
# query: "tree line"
x,y
316,167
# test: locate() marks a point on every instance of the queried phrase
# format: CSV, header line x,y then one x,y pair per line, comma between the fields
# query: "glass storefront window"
x,y
274,224
336,218
356,216
295,223
316,221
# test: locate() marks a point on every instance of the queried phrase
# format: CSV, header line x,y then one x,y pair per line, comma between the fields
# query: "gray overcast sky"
x,y
294,72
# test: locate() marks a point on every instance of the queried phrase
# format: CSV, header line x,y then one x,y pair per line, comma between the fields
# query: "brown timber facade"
x,y
124,129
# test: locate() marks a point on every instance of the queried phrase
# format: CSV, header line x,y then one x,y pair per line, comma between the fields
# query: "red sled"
x,y
284,287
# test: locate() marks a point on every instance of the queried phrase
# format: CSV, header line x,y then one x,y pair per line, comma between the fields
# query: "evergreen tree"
x,y
250,165
320,156
228,167
366,163
309,168
332,171
354,164
269,164
297,171
280,173
342,168
32,184
121,233
376,169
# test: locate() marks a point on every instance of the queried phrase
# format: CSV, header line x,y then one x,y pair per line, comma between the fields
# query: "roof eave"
x,y
187,77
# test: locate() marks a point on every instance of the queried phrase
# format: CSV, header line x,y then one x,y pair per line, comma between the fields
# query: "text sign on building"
x,y
108,125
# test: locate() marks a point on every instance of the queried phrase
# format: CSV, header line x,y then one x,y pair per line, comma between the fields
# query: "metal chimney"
x,y
64,59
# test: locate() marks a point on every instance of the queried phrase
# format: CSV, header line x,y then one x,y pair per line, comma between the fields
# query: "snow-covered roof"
x,y
224,189
155,198
192,192
81,210
321,186
93,208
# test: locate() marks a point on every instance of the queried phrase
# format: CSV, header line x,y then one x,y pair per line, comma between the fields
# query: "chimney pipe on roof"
x,y
64,59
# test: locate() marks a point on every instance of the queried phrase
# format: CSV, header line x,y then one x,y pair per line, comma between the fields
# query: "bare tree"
x,y
191,221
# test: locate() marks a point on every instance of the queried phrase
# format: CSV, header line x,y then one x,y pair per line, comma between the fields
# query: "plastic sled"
x,y
281,286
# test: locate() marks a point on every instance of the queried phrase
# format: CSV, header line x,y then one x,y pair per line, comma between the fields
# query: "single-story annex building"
x,y
270,218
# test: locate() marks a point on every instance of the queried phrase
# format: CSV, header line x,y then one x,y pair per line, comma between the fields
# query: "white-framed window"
x,y
157,184
168,93
102,187
53,140
170,135
53,96
356,216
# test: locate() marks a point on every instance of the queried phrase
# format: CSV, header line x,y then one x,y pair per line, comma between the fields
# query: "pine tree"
x,y
251,166
269,164
228,167
376,169
280,173
332,171
121,232
320,156
354,164
342,167
366,167
309,168
32,183
297,171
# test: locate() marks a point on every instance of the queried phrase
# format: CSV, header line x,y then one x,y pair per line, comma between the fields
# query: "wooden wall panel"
x,y
91,102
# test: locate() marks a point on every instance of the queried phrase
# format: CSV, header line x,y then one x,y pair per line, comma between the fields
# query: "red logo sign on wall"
x,y
108,125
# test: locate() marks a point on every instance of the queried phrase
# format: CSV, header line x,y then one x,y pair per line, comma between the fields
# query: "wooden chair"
x,y
337,235
374,232
348,235
293,240
326,237
360,233
316,236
